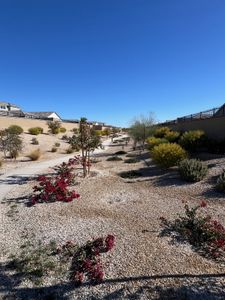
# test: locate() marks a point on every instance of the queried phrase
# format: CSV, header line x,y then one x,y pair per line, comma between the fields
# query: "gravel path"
x,y
143,264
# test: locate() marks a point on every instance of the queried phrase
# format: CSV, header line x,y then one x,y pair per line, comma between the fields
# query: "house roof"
x,y
7,103
42,114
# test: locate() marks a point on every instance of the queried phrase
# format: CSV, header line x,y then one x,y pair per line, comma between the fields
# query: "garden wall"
x,y
28,123
213,127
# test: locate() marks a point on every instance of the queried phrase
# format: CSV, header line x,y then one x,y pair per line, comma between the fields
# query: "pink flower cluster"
x,y
86,261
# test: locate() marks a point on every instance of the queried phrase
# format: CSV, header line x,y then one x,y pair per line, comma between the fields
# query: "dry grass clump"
x,y
35,154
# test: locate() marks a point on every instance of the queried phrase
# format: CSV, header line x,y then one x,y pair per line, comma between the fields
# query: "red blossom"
x,y
203,204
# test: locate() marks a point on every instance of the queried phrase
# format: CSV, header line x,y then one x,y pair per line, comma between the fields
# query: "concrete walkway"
x,y
14,177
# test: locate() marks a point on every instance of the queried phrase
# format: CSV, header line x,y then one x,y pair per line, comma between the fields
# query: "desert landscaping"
x,y
145,261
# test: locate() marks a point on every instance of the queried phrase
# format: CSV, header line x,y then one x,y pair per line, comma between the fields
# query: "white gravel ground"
x,y
143,264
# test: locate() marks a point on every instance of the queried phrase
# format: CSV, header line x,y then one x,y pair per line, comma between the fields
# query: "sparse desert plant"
x,y
199,229
132,160
130,174
10,143
35,154
54,126
54,149
192,140
141,128
153,141
220,184
57,144
35,130
34,141
1,162
15,129
62,129
192,170
168,155
114,158
121,152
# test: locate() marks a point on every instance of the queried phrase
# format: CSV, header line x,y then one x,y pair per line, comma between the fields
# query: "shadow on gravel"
x,y
21,179
19,200
17,179
212,193
200,286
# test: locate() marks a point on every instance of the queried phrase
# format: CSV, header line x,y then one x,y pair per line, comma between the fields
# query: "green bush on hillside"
x,y
15,129
35,130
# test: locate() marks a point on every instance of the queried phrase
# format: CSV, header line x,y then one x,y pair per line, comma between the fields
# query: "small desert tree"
x,y
141,128
87,141
10,143
54,126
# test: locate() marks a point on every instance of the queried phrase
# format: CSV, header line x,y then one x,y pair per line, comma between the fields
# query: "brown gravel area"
x,y
143,265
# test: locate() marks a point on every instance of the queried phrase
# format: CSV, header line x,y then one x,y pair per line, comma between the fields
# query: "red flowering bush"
x,y
66,170
51,189
35,262
55,188
200,230
86,260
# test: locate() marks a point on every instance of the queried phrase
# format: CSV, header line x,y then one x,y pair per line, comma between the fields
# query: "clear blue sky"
x,y
110,60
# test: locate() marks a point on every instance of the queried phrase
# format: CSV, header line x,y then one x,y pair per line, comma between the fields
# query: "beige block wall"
x,y
213,127
28,123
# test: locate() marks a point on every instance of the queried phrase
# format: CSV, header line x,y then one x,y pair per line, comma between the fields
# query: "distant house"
x,y
7,108
51,115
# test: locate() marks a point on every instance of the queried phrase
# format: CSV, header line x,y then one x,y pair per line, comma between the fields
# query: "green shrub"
x,y
172,136
40,129
34,141
153,141
161,132
192,140
1,163
34,155
62,129
168,155
114,158
130,174
35,130
54,149
192,170
57,144
54,126
220,184
121,152
131,160
15,129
